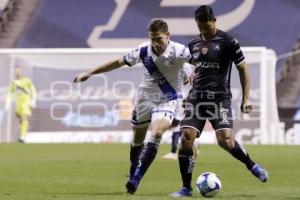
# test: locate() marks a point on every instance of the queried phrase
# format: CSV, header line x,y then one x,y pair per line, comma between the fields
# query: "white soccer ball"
x,y
208,184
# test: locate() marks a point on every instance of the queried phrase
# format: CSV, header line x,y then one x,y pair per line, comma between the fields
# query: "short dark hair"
x,y
158,25
204,13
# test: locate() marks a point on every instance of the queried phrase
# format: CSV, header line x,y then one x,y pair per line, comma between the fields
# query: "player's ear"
x,y
168,34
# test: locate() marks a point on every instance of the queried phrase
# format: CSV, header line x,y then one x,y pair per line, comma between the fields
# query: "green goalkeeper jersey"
x,y
23,89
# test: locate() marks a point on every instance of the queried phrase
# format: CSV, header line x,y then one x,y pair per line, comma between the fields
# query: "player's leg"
x,y
161,121
24,127
136,147
191,127
148,154
141,118
174,142
23,112
226,141
223,126
196,148
175,127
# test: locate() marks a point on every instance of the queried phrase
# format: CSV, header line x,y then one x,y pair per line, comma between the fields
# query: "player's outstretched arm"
x,y
99,69
33,95
246,106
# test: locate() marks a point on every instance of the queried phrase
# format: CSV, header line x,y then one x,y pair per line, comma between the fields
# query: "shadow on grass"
x,y
117,193
236,196
87,194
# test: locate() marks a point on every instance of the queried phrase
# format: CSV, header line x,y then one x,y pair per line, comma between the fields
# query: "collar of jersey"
x,y
216,37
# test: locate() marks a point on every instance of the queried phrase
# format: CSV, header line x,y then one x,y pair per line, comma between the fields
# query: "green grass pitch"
x,y
98,171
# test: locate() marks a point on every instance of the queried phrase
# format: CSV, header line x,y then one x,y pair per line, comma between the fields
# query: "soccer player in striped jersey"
x,y
157,96
213,53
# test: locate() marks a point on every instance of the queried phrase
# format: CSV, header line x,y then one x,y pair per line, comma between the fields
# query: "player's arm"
x,y
32,95
9,96
246,106
100,69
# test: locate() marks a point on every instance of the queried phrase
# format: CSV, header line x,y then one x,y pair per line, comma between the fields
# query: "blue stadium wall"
x,y
69,23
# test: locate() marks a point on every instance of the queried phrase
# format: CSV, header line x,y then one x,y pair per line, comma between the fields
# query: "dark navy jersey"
x,y
213,60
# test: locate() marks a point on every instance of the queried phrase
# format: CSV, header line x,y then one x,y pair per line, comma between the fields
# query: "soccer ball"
x,y
208,184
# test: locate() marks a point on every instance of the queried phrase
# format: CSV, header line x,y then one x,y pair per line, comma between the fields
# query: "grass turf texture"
x,y
98,171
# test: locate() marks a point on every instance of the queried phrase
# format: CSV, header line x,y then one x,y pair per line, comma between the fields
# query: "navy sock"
x,y
186,165
175,138
146,158
135,152
240,153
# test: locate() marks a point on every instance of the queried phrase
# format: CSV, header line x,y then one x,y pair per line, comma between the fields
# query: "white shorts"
x,y
146,110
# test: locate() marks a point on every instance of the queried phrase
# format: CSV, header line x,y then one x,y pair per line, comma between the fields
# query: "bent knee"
x,y
226,143
187,137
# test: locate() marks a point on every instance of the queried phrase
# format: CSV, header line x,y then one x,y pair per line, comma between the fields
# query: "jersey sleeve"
x,y
236,52
32,89
132,57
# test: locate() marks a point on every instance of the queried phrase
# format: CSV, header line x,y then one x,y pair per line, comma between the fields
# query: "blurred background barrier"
x,y
99,110
122,24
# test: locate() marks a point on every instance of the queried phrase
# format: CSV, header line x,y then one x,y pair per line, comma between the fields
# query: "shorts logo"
x,y
224,115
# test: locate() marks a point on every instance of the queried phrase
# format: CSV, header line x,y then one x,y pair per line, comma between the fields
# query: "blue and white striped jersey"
x,y
162,76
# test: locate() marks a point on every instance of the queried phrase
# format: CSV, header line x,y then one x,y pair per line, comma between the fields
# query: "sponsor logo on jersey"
x,y
208,65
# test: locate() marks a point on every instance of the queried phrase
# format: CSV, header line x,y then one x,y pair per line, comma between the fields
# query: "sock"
x,y
24,126
175,138
146,158
240,153
135,151
186,165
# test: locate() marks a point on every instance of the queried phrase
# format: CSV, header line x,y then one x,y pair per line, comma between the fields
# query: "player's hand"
x,y
81,77
246,106
189,80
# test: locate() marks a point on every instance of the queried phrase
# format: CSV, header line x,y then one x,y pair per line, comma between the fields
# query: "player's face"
x,y
159,41
207,28
17,73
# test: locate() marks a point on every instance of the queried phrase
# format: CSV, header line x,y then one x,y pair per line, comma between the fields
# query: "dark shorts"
x,y
217,111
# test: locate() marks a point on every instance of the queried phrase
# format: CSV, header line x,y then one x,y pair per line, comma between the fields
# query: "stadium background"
x,y
121,24
30,29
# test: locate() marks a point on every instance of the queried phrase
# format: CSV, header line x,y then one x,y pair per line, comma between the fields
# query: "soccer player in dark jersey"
x,y
213,52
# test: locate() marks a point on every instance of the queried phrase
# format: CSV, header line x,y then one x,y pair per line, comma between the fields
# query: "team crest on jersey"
x,y
204,50
217,47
